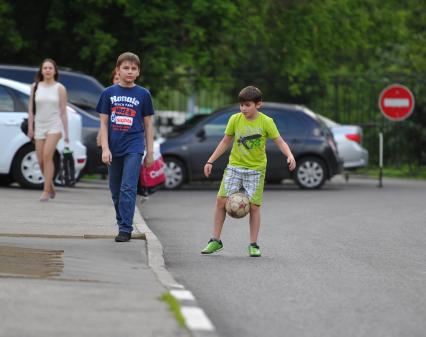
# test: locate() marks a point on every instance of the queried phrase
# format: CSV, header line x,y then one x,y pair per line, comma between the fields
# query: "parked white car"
x,y
18,161
349,143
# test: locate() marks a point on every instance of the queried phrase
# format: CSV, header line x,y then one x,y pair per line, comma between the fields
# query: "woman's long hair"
x,y
39,75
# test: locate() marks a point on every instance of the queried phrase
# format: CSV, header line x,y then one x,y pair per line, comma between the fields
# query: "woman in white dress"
x,y
50,116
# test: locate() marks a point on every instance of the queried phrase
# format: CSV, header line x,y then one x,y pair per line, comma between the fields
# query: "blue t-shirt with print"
x,y
126,108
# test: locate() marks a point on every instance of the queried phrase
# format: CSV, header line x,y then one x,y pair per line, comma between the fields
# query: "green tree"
x,y
11,40
203,37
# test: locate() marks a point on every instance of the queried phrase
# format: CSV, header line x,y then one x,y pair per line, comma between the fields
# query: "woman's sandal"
x,y
44,198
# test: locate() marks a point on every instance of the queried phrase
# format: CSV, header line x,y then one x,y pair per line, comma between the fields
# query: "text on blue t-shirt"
x,y
126,108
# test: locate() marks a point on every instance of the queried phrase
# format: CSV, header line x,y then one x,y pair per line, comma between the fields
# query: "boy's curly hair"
x,y
250,94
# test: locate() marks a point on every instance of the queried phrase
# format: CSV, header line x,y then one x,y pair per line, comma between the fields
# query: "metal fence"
x,y
346,100
355,101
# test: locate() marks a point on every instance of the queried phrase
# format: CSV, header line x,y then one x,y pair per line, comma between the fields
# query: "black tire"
x,y
175,173
311,173
5,179
25,168
274,181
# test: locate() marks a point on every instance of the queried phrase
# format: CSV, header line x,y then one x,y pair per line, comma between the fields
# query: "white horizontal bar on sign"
x,y
196,319
182,295
397,102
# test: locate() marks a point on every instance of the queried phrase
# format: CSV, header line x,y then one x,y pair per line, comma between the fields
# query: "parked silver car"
x,y
349,143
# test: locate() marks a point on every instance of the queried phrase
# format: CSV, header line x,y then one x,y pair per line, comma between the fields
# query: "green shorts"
x,y
236,179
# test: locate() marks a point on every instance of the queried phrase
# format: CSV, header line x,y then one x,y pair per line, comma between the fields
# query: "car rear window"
x,y
216,126
288,122
6,101
324,127
82,91
21,100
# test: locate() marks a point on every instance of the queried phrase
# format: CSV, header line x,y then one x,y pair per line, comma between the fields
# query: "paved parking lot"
x,y
349,260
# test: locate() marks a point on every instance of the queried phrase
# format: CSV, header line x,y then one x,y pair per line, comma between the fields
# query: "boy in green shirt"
x,y
248,130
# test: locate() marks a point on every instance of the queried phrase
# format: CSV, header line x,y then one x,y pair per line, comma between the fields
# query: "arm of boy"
x,y
98,138
220,150
106,153
285,149
149,140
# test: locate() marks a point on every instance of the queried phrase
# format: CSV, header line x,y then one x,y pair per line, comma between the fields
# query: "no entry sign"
x,y
396,102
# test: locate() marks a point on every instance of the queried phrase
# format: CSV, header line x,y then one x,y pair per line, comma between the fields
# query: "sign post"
x,y
380,159
396,103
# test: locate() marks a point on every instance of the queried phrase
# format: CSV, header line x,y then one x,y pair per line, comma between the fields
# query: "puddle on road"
x,y
30,262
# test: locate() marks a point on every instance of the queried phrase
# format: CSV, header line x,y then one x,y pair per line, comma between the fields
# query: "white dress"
x,y
48,115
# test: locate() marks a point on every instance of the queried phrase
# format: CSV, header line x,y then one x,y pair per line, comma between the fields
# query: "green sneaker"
x,y
213,246
254,250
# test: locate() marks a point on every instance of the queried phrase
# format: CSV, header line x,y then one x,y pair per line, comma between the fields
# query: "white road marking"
x,y
182,295
196,319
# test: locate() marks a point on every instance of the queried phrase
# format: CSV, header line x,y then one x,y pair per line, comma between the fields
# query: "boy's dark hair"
x,y
128,56
250,94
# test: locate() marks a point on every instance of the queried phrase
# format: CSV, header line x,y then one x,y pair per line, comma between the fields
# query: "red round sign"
x,y
396,102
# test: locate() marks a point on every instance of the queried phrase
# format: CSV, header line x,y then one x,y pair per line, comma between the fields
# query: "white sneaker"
x,y
143,199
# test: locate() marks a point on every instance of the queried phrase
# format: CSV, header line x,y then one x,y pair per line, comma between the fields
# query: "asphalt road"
x,y
349,260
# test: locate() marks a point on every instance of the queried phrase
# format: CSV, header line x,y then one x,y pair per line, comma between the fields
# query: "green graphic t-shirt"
x,y
250,137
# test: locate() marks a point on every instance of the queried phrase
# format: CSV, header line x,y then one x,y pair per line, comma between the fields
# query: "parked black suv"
x,y
188,147
84,92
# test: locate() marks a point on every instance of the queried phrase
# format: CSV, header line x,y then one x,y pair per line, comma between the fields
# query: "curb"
x,y
135,236
197,322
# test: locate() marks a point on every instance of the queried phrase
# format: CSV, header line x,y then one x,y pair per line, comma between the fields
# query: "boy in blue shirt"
x,y
126,114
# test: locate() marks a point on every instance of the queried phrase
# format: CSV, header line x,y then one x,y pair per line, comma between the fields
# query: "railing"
x,y
346,100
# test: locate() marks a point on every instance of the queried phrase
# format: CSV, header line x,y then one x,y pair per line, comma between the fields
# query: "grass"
x,y
404,171
92,177
174,307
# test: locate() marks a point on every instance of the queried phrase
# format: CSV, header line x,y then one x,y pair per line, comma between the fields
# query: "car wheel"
x,y
26,170
310,173
175,173
274,180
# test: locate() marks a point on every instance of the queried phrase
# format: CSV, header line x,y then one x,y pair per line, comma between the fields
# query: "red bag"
x,y
152,178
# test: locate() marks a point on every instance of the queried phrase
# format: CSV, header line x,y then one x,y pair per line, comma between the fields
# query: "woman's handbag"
x,y
24,124
67,169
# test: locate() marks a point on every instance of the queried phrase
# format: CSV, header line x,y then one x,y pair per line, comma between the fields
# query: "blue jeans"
x,y
123,181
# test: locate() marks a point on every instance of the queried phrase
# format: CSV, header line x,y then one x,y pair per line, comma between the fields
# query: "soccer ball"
x,y
237,205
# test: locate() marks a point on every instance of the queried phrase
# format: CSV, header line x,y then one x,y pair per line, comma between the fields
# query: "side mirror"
x,y
201,134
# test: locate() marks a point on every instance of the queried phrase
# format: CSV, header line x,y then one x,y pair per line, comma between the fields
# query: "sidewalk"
x,y
61,273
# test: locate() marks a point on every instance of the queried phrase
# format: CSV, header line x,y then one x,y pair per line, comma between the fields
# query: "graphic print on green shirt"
x,y
250,142
248,149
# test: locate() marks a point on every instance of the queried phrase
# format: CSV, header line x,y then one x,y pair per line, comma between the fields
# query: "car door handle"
x,y
12,123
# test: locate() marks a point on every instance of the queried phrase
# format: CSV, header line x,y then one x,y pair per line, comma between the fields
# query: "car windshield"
x,y
189,123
